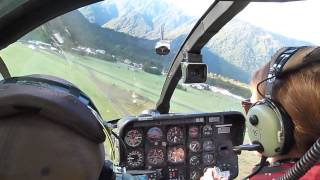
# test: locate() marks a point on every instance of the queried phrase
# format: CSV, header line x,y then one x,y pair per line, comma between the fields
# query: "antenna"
x,y
162,32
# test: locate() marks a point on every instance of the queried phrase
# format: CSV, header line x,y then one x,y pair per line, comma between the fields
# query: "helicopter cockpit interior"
x,y
161,86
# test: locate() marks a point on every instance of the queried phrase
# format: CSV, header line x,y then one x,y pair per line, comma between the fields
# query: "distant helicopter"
x,y
163,46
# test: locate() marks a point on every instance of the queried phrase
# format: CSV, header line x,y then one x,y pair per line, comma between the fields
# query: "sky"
x,y
297,20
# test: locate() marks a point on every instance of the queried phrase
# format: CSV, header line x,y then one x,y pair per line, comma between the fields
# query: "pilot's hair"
x,y
298,92
33,147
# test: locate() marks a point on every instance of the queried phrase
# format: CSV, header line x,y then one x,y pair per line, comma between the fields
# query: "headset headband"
x,y
276,69
53,84
55,99
300,57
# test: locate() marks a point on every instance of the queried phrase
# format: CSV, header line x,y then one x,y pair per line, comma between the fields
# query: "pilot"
x,y
297,91
34,145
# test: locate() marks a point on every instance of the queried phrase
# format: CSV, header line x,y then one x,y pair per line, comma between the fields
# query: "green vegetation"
x,y
231,85
100,79
181,87
116,89
152,67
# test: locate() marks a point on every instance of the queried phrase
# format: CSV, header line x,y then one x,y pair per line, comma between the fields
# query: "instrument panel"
x,y
181,146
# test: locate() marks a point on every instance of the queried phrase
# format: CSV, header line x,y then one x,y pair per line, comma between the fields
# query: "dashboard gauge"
x,y
195,146
208,159
208,145
194,175
155,156
194,160
194,132
135,159
154,134
133,138
207,130
176,154
175,135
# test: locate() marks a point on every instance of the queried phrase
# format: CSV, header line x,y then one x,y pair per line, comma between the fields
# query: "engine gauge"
x,y
175,135
194,160
207,130
195,146
154,134
208,159
194,132
155,156
176,155
208,145
194,175
133,138
135,159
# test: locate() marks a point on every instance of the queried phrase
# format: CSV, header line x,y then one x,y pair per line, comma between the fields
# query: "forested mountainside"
x,y
235,52
239,45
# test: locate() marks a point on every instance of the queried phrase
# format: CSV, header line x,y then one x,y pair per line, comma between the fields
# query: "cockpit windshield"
x,y
109,50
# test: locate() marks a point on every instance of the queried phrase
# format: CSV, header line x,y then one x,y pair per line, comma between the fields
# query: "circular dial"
x,y
175,135
194,175
195,146
208,145
176,154
155,156
194,132
135,159
154,134
207,130
208,159
194,160
133,138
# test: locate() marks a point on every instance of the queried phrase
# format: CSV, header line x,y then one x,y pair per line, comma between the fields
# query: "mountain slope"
x,y
239,43
119,44
93,36
140,18
236,51
96,13
247,46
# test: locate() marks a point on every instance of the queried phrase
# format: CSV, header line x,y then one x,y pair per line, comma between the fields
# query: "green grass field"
x,y
115,88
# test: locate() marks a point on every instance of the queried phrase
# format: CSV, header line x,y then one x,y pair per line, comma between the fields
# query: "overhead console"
x,y
181,146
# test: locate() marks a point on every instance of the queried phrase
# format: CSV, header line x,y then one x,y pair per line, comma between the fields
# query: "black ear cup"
x,y
270,126
288,127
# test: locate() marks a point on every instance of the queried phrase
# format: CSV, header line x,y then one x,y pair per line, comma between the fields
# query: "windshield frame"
x,y
207,26
218,14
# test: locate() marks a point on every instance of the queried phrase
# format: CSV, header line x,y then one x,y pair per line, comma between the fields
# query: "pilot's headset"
x,y
59,101
268,123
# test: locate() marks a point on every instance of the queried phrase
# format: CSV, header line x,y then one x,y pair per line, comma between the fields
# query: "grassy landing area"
x,y
116,89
